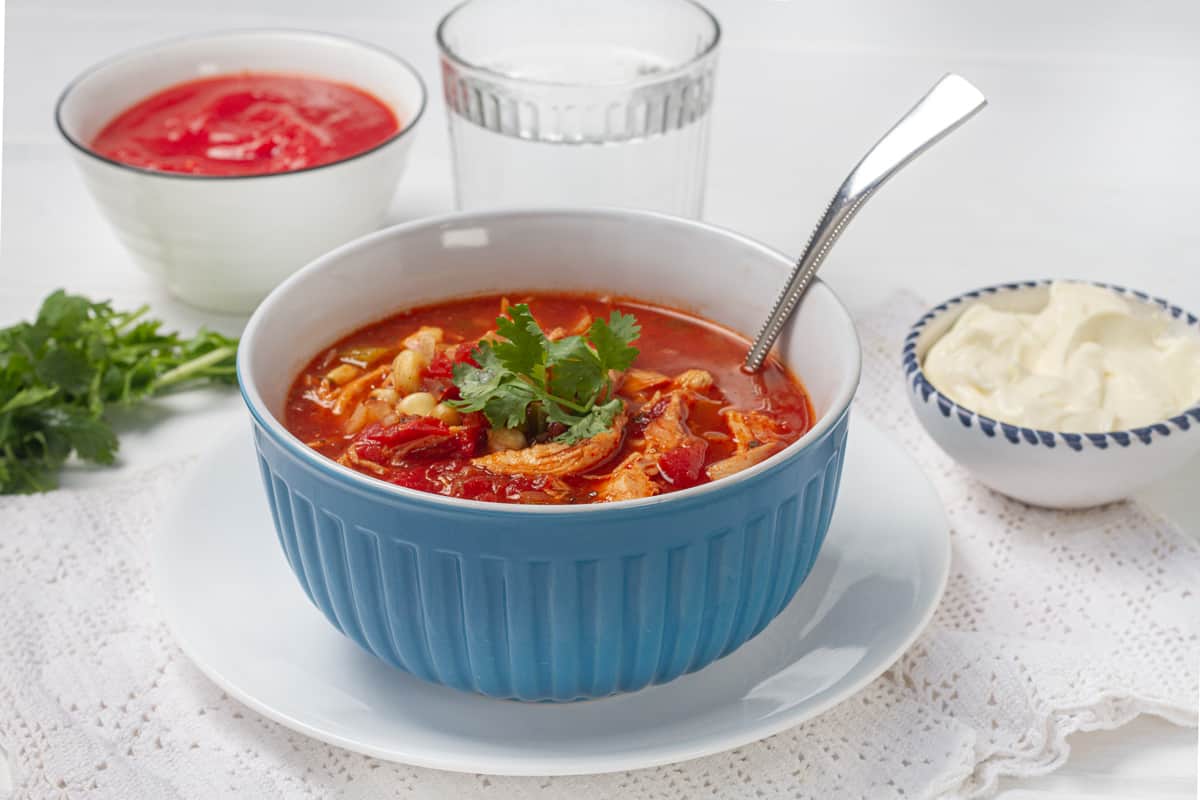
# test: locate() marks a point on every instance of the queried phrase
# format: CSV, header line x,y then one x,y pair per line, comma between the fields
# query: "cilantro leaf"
x,y
65,367
59,373
28,397
524,347
493,389
598,420
477,384
614,340
509,407
90,437
576,372
526,381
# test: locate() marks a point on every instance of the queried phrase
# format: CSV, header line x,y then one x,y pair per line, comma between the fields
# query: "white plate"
x,y
240,615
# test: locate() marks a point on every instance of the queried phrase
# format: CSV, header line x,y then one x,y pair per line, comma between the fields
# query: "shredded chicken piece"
x,y
583,324
669,429
352,393
696,380
342,373
324,394
741,460
751,428
628,481
637,381
385,394
554,490
557,458
757,439
666,432
424,342
578,328
351,459
368,412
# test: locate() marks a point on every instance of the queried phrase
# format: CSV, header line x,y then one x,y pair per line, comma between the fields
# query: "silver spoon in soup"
x,y
950,103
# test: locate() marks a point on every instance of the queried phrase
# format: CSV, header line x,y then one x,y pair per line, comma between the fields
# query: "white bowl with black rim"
x,y
1047,468
223,242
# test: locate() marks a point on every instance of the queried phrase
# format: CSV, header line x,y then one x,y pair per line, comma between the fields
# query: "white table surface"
x,y
1085,165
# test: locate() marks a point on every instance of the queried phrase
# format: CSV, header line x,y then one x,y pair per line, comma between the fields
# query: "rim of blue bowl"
x,y
163,44
265,419
1017,434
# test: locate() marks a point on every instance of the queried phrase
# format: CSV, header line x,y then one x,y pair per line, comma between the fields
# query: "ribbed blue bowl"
x,y
552,607
549,602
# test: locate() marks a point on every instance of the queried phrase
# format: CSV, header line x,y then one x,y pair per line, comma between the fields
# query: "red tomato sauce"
x,y
247,124
671,342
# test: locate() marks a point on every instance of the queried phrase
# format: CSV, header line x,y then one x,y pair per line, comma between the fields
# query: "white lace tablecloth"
x,y
1053,622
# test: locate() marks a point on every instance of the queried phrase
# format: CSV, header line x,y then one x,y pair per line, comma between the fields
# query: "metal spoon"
x,y
950,103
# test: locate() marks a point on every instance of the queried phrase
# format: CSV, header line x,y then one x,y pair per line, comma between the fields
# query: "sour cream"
x,y
1090,361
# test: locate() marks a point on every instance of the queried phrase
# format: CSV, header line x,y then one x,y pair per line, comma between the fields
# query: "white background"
x,y
1085,165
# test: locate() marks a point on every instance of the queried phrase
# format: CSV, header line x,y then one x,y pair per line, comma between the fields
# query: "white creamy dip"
x,y
1090,361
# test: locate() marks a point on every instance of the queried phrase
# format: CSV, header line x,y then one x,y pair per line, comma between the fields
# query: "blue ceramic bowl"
x,y
549,602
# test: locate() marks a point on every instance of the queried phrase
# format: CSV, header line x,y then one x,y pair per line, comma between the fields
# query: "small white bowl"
x,y
223,243
1046,468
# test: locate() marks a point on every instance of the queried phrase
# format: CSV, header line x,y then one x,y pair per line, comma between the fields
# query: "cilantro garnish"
x,y
527,381
59,372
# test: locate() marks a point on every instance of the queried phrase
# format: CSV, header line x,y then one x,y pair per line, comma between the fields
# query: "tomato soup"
x,y
247,124
392,400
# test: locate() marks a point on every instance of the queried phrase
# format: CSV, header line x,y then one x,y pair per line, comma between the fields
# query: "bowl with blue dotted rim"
x,y
1055,469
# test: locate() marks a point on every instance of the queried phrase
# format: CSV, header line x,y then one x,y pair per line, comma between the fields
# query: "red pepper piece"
x,y
422,438
440,367
412,478
404,432
682,466
476,487
648,414
464,355
371,451
469,440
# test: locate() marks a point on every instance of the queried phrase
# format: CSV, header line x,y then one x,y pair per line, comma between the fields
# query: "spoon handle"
x,y
951,102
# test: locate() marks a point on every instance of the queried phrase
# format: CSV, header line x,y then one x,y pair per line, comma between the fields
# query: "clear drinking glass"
x,y
579,102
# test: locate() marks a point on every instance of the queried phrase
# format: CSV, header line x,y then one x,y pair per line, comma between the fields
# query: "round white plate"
x,y
240,615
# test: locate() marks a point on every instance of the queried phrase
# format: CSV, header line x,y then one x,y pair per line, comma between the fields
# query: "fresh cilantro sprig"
x,y
526,381
61,371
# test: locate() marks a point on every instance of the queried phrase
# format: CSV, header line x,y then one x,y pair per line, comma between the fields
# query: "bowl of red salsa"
x,y
226,161
514,452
